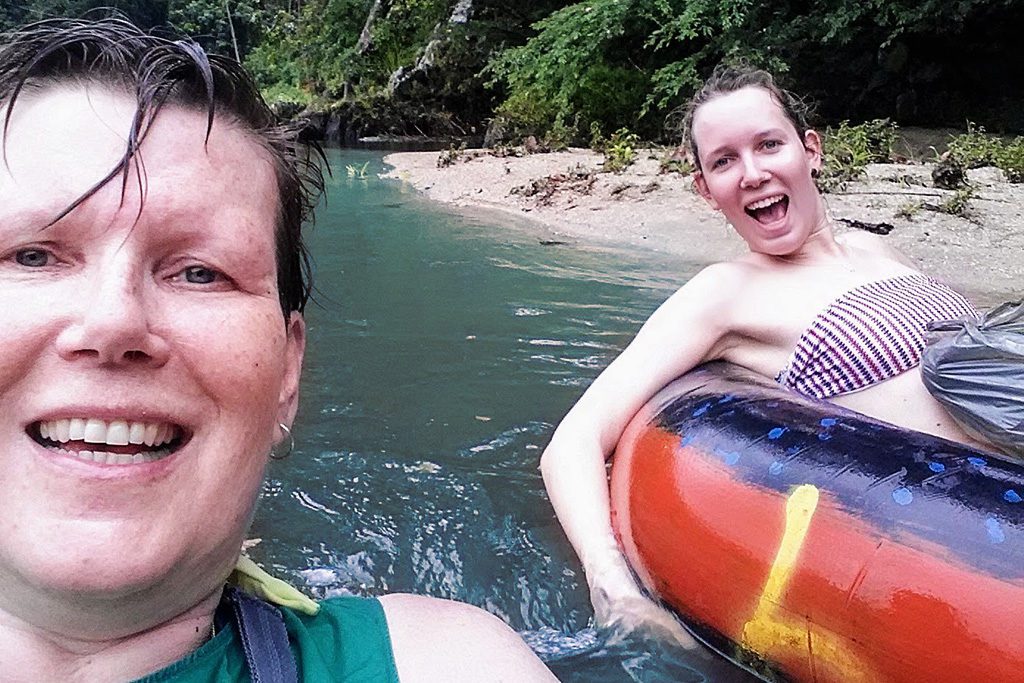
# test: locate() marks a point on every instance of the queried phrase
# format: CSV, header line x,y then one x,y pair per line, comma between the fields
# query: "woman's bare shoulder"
x,y
722,280
436,639
875,245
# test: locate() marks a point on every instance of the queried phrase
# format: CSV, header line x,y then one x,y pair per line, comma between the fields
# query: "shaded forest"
x,y
573,70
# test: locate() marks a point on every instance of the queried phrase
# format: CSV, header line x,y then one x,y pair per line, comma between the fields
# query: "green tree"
x,y
668,45
145,13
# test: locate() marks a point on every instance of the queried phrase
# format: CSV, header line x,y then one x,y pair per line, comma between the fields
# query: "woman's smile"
x,y
113,442
769,210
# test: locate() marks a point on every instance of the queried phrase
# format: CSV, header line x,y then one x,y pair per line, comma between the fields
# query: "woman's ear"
x,y
295,348
812,147
702,189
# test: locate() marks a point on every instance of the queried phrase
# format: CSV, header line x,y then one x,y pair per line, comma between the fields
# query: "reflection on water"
x,y
442,351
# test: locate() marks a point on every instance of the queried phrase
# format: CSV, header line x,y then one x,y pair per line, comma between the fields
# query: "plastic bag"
x,y
975,369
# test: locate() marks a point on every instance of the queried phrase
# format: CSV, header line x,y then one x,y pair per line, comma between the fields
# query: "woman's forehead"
x,y
65,141
749,106
69,138
101,113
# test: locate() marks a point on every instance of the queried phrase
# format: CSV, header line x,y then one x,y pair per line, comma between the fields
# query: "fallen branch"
x,y
920,194
875,228
895,193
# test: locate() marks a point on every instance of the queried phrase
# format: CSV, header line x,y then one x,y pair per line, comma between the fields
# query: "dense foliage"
x,y
564,71
629,62
221,25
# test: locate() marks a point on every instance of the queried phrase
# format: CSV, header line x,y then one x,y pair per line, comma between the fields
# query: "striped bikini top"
x,y
869,334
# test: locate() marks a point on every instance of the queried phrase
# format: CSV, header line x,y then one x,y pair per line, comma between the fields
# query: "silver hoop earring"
x,y
291,443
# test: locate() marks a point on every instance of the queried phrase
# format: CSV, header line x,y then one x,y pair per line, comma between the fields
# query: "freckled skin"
x,y
115,320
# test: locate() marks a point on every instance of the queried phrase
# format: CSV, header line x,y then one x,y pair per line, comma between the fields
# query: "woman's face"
x,y
756,170
120,326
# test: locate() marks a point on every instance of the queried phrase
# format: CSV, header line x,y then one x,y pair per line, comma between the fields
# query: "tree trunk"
x,y
460,15
366,36
231,26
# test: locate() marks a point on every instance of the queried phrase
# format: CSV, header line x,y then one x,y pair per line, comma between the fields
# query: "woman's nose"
x,y
111,323
753,175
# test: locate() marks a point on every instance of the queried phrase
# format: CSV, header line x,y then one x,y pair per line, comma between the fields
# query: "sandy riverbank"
x,y
982,254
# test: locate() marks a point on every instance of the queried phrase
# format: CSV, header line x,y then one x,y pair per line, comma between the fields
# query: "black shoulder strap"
x,y
264,638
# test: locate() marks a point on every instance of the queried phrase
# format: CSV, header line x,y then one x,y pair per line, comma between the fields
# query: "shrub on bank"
x,y
849,148
976,148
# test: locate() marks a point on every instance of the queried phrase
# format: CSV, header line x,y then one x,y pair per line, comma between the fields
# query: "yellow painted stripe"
x,y
800,509
771,637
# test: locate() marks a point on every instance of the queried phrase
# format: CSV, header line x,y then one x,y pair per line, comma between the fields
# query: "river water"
x,y
443,348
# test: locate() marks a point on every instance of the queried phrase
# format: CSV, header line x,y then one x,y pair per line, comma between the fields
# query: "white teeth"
x,y
112,433
137,433
764,203
76,429
95,431
105,458
117,433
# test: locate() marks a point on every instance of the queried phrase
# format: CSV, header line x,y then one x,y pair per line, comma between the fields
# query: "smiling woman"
x,y
152,281
841,319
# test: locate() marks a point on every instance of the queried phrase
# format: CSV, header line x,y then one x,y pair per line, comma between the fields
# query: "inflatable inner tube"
x,y
811,543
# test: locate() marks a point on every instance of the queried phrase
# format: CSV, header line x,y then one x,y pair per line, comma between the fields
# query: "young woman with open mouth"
x,y
839,319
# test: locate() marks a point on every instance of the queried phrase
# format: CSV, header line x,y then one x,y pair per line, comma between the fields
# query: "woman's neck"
x,y
821,245
34,653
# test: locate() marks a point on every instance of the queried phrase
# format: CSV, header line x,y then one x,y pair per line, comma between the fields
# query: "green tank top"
x,y
347,641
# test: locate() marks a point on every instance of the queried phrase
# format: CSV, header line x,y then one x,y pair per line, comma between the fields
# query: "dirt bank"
x,y
980,252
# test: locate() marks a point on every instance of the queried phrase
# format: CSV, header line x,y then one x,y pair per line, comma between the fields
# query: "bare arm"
x,y
441,640
686,330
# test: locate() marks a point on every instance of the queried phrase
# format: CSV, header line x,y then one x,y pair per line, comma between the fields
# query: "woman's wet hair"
x,y
727,78
111,51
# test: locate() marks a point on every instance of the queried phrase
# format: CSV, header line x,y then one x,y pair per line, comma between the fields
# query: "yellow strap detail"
x,y
251,578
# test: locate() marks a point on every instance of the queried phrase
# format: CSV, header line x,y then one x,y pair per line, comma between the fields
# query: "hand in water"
x,y
622,608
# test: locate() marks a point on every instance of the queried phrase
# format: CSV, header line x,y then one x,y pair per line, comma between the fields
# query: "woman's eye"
x,y
719,162
200,275
33,258
771,144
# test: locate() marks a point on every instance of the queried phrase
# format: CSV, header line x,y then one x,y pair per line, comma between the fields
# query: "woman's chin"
x,y
779,248
100,573
104,562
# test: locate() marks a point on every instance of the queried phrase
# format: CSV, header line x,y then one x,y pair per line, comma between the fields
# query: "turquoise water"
x,y
443,349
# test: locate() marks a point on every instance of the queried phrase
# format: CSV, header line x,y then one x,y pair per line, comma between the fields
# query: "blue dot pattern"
x,y
903,496
788,449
